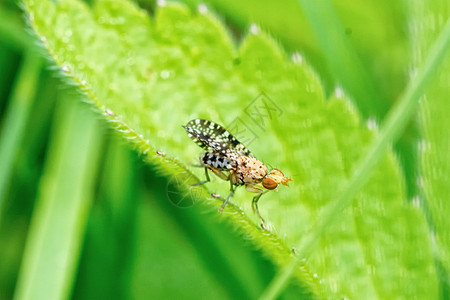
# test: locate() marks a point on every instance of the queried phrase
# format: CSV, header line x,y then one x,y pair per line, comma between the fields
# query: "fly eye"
x,y
269,184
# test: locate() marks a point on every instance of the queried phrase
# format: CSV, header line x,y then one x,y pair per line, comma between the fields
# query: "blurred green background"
x,y
135,243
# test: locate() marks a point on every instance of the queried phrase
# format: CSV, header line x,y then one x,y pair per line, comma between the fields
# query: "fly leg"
x,y
232,189
222,176
255,206
225,177
255,200
217,172
202,182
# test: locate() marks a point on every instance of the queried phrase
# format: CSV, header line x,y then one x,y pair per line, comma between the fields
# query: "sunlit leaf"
x,y
434,148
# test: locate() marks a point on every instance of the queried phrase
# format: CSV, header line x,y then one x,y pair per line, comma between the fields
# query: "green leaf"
x,y
150,76
434,151
376,30
361,45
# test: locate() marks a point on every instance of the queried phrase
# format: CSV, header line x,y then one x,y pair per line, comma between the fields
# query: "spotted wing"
x,y
214,138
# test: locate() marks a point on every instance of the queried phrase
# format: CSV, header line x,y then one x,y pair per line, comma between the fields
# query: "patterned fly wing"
x,y
214,138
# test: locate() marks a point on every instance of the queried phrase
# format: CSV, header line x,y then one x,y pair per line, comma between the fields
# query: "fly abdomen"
x,y
217,161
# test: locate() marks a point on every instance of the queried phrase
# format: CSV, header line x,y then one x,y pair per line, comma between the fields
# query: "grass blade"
x,y
14,125
66,191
